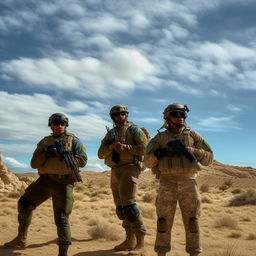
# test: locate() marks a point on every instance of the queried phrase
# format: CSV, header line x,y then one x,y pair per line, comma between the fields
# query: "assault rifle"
x,y
68,158
115,155
180,147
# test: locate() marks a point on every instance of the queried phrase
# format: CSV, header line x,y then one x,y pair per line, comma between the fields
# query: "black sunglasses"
x,y
122,113
62,123
178,114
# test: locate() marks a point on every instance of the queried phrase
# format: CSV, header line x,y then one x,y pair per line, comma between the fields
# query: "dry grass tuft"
x,y
246,198
100,228
149,197
204,188
235,234
230,250
251,236
236,191
206,200
226,185
14,194
226,221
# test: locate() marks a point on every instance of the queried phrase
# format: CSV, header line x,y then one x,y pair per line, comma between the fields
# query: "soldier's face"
x,y
58,128
119,117
177,120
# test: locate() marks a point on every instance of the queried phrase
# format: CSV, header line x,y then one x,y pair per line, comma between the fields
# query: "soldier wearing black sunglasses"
x,y
55,180
175,156
122,149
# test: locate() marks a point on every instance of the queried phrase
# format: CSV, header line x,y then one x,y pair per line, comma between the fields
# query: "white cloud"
x,y
95,164
13,164
115,74
217,124
25,117
234,108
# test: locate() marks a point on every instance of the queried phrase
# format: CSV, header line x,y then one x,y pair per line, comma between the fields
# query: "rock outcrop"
x,y
8,180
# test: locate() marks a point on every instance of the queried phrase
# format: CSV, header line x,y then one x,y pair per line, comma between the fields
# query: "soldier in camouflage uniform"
x,y
177,174
55,181
122,149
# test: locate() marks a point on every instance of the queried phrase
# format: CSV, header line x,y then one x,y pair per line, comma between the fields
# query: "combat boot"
x,y
19,241
63,249
139,249
129,243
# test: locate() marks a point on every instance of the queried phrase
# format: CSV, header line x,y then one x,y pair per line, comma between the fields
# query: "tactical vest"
x,y
54,165
178,165
125,136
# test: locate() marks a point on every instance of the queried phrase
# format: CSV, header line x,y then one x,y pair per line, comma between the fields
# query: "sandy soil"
x,y
226,231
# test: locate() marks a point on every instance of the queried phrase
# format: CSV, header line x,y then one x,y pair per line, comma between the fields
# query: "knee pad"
x,y
161,225
193,225
24,203
61,219
119,212
131,212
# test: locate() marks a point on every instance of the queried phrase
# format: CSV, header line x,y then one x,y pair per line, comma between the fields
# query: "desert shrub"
x,y
235,234
226,221
236,191
100,228
88,183
148,211
204,188
251,236
228,183
230,250
148,197
14,194
206,200
246,198
223,187
79,187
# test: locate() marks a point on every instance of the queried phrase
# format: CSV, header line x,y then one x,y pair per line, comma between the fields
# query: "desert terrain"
x,y
228,223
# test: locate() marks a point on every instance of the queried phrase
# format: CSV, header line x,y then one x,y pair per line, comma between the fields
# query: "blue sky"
x,y
82,57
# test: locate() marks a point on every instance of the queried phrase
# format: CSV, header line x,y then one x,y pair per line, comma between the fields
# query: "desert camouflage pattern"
x,y
178,165
177,185
170,193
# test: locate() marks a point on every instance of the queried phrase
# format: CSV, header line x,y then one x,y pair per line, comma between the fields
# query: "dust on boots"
x,y
139,249
129,243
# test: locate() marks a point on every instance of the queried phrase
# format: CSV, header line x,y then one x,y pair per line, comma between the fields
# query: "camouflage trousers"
x,y
60,188
186,193
124,183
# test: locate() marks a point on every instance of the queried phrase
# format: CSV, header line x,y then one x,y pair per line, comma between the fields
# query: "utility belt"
x,y
58,176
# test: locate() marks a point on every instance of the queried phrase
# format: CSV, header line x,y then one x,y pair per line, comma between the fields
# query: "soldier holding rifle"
x,y
57,158
176,155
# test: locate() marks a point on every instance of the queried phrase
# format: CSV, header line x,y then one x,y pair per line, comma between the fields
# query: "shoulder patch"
x,y
83,148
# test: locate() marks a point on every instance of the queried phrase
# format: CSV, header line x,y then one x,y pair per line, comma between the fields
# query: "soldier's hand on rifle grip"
x,y
160,153
51,152
117,146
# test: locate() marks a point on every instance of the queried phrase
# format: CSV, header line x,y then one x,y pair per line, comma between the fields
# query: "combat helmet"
x,y
118,108
174,107
57,117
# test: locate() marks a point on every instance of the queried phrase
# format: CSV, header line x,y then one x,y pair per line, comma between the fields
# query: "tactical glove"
x,y
109,142
51,152
160,153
